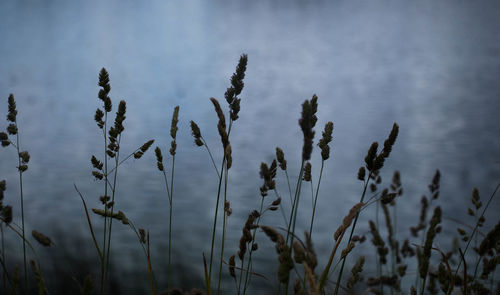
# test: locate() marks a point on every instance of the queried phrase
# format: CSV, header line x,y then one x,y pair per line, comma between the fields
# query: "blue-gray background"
x,y
431,66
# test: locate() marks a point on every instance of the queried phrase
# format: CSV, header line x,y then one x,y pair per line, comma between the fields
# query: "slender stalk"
x,y
350,236
295,203
249,263
293,215
223,230
379,266
289,187
211,157
113,192
103,266
4,274
215,221
22,211
316,197
217,206
169,272
324,275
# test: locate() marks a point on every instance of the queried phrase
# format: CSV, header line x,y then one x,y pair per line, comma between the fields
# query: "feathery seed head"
x,y
299,252
229,159
175,120
3,136
195,130
434,186
218,111
325,140
232,265
12,129
173,147
389,142
361,173
98,117
25,156
106,88
347,250
7,214
280,156
346,222
159,159
307,121
11,115
307,171
476,201
144,148
97,175
41,238
370,156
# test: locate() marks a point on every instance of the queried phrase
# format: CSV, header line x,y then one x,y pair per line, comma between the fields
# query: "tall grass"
x,y
412,263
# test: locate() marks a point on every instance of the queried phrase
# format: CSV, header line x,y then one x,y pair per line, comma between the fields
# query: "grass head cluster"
x,y
398,262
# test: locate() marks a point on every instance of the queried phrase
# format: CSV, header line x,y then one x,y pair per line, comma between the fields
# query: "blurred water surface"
x,y
433,67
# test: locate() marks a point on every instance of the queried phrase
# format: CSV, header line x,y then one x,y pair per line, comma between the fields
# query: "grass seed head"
x,y
280,156
307,171
232,265
41,238
159,159
175,120
11,115
325,140
307,121
12,129
7,214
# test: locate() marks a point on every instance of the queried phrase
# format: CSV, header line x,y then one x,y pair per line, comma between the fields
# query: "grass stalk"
x,y
169,268
249,263
214,228
113,193
226,171
339,278
316,197
22,209
210,154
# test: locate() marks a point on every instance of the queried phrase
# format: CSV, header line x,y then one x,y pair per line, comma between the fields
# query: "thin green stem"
x,y
379,266
215,221
103,265
223,229
289,187
22,211
293,215
316,198
211,157
169,269
5,273
113,192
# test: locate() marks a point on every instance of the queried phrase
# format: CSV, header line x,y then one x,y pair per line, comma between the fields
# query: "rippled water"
x,y
432,67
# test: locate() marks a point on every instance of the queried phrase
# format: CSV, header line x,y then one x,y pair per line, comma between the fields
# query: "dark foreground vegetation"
x,y
411,265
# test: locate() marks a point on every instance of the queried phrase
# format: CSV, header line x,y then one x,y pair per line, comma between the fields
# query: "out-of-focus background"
x,y
432,67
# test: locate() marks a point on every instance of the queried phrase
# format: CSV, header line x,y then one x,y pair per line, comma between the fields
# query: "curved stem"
x,y
211,157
